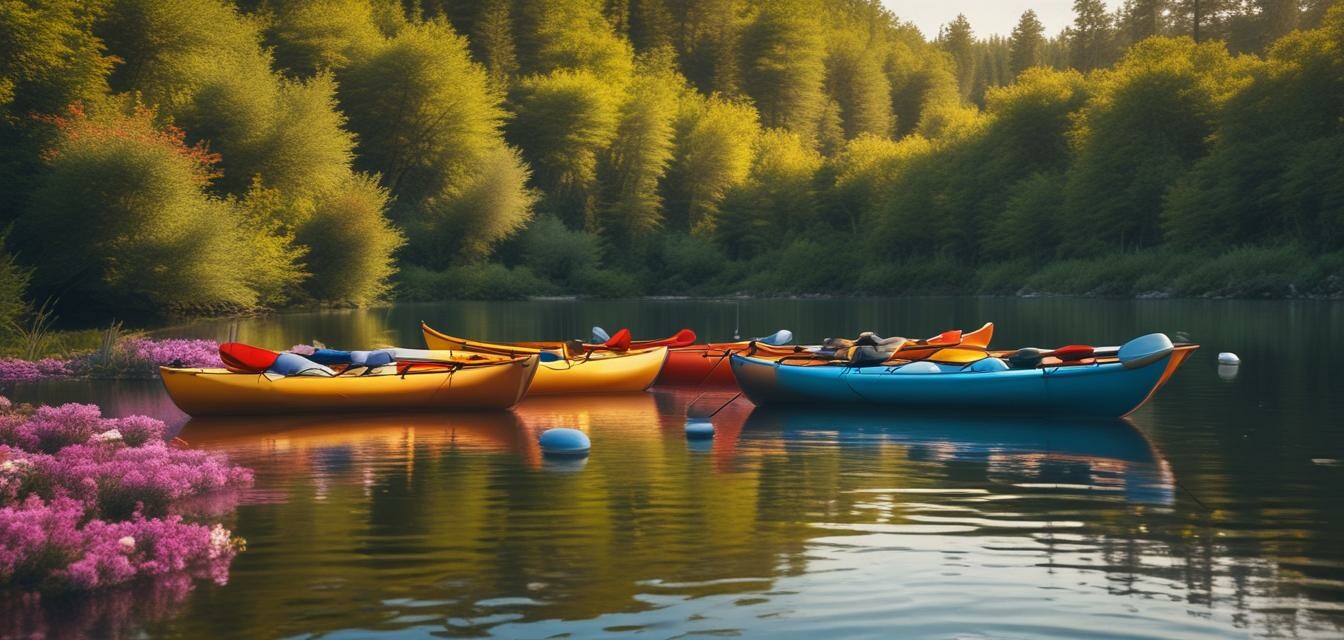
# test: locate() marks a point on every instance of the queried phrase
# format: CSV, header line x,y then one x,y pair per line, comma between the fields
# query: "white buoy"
x,y
1228,371
1229,358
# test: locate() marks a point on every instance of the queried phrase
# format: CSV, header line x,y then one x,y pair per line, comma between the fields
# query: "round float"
x,y
565,443
699,429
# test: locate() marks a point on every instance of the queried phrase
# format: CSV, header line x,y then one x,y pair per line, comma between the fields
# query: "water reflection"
x,y
1107,458
795,524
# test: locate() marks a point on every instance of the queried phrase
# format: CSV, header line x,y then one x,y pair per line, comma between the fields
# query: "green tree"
x,y
563,122
308,36
1142,19
783,66
1027,43
492,42
150,236
640,152
777,201
570,34
959,41
652,24
920,84
1149,120
1090,38
422,112
352,244
855,80
1273,173
707,37
713,153
48,59
1200,19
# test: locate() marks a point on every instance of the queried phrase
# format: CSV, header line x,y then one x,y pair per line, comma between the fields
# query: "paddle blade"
x,y
684,338
946,337
619,342
245,358
778,338
599,335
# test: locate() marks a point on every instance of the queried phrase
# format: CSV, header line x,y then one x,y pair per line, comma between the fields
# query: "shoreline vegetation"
x,y
208,157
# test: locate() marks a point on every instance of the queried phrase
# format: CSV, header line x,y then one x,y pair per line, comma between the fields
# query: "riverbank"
x,y
814,269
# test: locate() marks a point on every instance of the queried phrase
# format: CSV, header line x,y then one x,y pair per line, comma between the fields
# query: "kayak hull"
x,y
210,392
1106,390
631,371
595,372
698,365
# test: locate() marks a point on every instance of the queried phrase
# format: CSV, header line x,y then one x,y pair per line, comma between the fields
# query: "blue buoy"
x,y
699,429
565,443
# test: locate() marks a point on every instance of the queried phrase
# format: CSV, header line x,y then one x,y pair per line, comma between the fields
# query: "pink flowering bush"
x,y
129,358
175,352
17,370
85,501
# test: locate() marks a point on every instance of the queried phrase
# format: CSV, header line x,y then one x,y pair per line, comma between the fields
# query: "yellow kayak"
x,y
493,384
571,371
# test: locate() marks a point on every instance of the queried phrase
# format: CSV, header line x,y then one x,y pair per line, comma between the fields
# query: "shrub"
x,y
469,282
553,251
149,236
84,501
351,245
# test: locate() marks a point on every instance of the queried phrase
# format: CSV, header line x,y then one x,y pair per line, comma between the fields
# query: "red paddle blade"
x,y
684,338
619,342
245,358
1074,352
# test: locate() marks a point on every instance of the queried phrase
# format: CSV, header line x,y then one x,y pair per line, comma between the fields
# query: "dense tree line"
x,y
203,155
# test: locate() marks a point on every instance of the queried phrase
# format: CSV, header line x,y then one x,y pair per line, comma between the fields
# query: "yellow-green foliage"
x,y
782,64
48,57
714,150
1148,120
421,111
313,35
122,218
563,121
854,78
775,136
640,151
573,34
778,200
352,245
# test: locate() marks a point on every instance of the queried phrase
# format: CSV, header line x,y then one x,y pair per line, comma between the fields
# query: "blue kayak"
x,y
1108,386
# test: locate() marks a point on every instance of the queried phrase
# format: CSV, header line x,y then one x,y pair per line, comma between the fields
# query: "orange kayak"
x,y
708,364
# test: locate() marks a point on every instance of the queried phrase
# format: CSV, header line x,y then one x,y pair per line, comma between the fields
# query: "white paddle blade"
x,y
600,335
778,338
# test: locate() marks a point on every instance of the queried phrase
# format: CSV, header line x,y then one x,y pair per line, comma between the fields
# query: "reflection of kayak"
x,y
707,364
563,370
487,385
1105,386
1096,453
491,429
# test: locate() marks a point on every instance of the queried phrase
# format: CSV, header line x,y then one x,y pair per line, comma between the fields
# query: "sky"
x,y
987,17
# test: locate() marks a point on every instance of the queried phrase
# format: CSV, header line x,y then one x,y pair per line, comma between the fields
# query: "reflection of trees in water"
x,y
456,518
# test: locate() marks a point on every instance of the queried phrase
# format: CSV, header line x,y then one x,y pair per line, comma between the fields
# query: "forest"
x,y
200,156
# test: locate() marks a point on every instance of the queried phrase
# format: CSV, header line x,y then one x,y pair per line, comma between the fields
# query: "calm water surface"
x,y
1216,511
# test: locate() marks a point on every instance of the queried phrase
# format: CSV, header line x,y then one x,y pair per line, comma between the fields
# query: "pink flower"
x,y
85,501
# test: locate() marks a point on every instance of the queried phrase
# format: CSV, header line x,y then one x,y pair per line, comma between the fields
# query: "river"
x,y
1215,511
